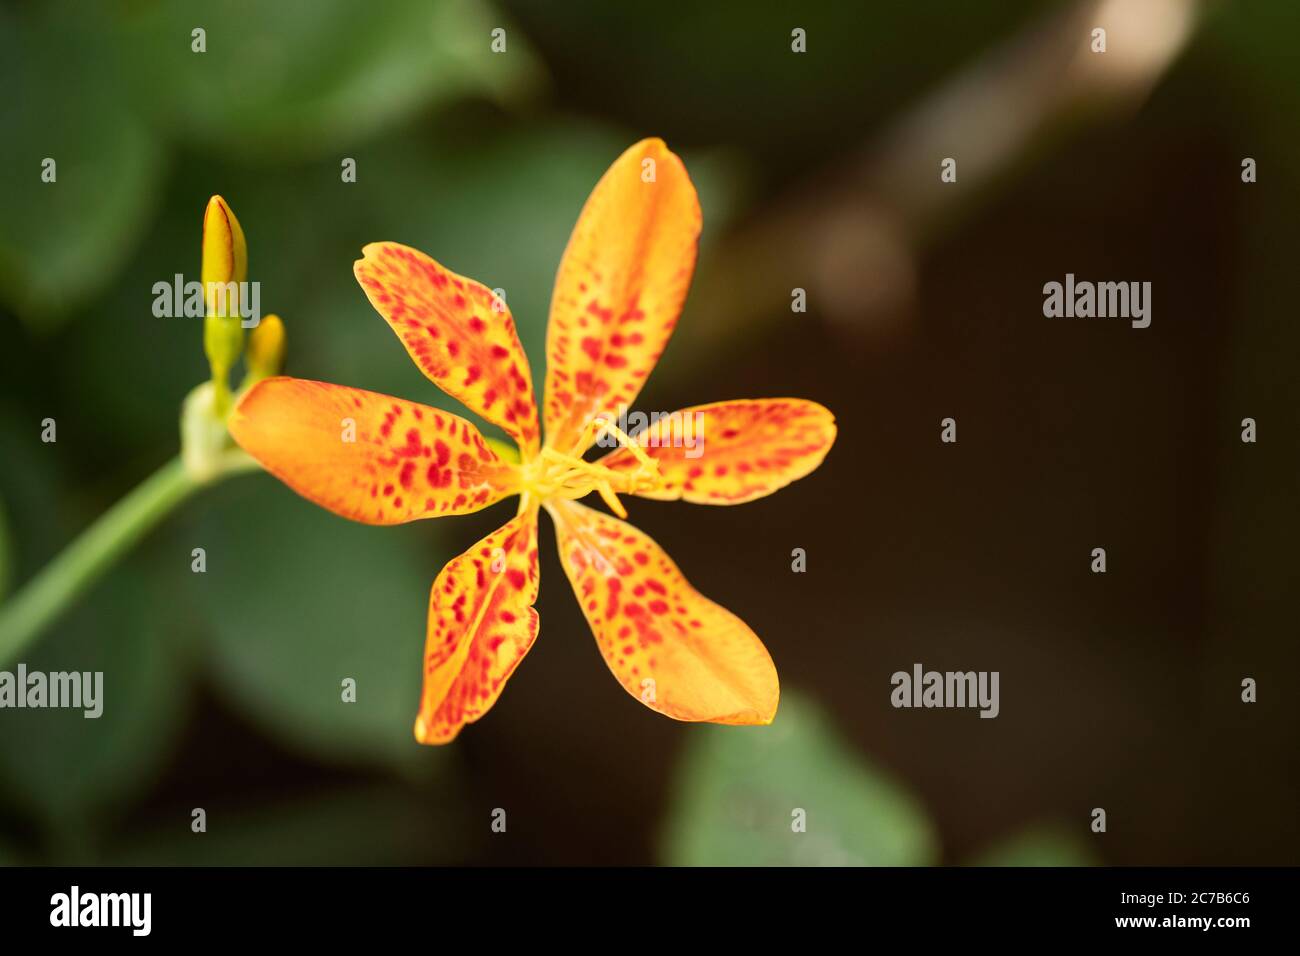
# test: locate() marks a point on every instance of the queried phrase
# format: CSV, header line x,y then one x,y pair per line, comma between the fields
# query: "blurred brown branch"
x,y
850,237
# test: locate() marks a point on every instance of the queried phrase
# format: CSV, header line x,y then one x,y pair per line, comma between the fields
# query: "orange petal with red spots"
x,y
669,646
481,624
369,457
727,453
458,332
619,290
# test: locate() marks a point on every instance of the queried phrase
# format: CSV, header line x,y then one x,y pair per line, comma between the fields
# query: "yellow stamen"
x,y
627,442
553,474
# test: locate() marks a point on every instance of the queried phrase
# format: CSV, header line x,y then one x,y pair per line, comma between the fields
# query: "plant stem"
x,y
56,586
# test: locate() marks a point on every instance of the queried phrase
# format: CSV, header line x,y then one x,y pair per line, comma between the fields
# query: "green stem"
x,y
24,616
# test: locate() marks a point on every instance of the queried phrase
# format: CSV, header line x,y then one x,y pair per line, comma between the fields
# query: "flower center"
x,y
553,474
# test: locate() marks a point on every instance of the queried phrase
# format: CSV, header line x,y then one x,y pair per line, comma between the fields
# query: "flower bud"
x,y
225,265
225,254
265,353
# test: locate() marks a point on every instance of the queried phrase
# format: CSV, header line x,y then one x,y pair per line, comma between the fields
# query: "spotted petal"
x,y
369,457
727,453
669,646
481,624
458,332
619,290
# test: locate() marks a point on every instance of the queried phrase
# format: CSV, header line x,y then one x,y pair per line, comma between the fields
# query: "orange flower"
x,y
381,460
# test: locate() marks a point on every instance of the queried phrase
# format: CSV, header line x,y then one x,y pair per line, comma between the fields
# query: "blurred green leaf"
x,y
1255,43
61,241
310,78
738,787
57,766
64,767
9,856
6,552
1040,846
298,600
314,76
31,488
374,826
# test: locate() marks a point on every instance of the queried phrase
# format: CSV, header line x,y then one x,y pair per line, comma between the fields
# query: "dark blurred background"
x,y
817,171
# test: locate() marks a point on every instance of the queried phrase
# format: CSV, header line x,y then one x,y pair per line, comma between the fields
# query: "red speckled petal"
x,y
619,290
669,646
452,331
369,457
481,624
727,453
